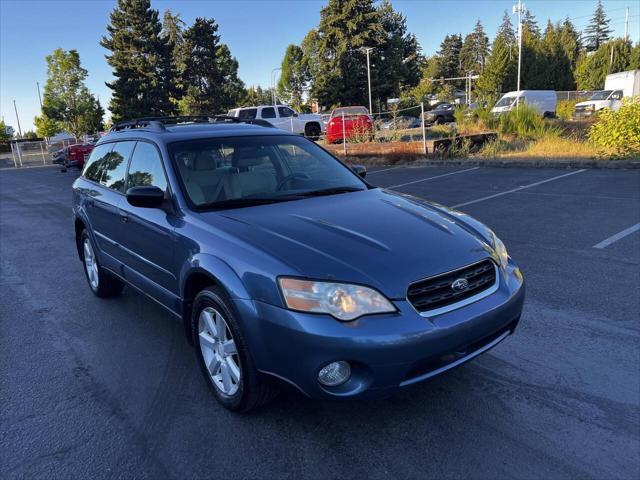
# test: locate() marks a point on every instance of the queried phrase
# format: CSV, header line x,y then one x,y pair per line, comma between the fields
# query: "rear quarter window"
x,y
94,167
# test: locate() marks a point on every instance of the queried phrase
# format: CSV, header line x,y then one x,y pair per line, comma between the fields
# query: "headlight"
x,y
501,250
340,300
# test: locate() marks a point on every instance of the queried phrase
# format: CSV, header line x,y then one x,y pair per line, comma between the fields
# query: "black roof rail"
x,y
158,123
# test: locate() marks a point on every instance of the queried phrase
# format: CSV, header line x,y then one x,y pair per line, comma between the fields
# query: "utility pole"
x,y
626,25
39,96
17,119
273,84
368,50
518,8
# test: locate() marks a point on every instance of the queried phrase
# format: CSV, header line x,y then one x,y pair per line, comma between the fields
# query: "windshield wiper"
x,y
328,191
244,202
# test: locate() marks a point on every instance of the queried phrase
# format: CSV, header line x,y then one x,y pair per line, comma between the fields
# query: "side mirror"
x,y
360,170
295,114
145,197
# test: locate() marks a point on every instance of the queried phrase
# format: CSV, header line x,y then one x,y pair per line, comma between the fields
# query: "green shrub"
x,y
618,133
524,122
565,108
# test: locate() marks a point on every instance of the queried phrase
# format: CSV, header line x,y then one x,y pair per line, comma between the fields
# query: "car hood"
x,y
374,237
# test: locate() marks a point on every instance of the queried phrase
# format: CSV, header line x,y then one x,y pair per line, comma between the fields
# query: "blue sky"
x,y
257,31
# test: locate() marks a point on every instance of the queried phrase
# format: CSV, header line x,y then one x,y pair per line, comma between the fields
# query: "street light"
x,y
519,8
273,81
368,50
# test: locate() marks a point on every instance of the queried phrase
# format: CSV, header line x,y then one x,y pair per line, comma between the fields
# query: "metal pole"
x,y
344,137
19,153
17,119
13,154
626,25
39,96
424,137
369,80
519,49
44,159
273,84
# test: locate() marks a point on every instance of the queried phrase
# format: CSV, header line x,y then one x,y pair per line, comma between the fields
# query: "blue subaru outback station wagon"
x,y
284,264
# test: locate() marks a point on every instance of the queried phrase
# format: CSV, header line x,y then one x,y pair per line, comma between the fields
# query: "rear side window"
x,y
269,112
248,113
93,167
115,166
145,168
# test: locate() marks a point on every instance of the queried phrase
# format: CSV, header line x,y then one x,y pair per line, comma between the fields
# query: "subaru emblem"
x,y
460,284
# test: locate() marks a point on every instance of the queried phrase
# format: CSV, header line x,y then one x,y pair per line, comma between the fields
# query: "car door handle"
x,y
124,218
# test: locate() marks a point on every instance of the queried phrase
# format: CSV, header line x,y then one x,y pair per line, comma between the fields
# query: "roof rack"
x,y
158,123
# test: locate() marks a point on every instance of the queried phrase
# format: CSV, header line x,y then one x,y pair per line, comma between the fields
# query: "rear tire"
x,y
223,355
438,121
100,282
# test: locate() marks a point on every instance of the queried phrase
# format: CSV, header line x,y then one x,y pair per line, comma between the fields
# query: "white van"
x,y
616,87
542,100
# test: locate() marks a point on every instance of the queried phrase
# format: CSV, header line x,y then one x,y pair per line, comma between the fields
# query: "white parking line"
x,y
517,189
385,170
618,236
433,178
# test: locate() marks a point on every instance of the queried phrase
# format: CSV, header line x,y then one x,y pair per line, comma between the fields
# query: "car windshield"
x,y
603,95
241,171
505,101
349,111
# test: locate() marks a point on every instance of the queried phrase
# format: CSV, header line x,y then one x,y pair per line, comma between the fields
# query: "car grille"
x,y
437,291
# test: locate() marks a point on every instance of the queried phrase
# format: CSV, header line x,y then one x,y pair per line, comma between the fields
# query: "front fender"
x,y
218,269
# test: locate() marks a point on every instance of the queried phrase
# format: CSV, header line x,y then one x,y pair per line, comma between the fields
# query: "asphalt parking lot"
x,y
93,388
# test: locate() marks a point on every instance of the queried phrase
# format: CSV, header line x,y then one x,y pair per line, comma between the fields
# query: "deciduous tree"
x,y
66,99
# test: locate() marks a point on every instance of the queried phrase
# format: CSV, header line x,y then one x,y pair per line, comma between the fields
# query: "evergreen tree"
x,y
634,58
173,33
530,23
533,75
558,72
210,76
141,62
66,100
448,57
345,28
499,74
256,96
597,32
570,41
475,50
397,62
294,77
592,69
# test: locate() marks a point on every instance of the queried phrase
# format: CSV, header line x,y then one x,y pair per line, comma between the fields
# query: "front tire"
x,y
100,282
223,354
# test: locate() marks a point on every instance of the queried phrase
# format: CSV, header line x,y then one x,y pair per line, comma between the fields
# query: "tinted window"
x,y
114,166
93,167
146,167
248,113
269,112
285,112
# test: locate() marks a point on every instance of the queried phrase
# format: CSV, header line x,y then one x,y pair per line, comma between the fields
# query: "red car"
x,y
74,155
357,124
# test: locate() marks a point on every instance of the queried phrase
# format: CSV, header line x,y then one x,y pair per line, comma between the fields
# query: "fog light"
x,y
334,374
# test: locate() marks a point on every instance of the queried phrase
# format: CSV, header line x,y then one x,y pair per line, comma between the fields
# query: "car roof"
x,y
192,131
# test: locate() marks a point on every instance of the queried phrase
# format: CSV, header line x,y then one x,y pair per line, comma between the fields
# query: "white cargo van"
x,y
616,87
542,100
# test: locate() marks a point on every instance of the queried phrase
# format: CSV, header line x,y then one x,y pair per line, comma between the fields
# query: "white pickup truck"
x,y
284,117
616,87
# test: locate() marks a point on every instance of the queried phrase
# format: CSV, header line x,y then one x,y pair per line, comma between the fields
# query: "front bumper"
x,y
386,352
583,113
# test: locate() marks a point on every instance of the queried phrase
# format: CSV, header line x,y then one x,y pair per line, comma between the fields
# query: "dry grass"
x,y
555,147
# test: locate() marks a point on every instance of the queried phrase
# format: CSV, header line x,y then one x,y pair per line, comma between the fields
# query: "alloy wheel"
x,y
90,264
219,351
